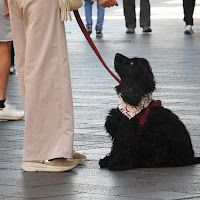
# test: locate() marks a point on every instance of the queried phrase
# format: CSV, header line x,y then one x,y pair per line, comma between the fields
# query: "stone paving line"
x,y
174,58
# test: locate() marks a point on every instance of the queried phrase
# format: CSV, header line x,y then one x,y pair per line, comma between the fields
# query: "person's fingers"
x,y
108,3
116,4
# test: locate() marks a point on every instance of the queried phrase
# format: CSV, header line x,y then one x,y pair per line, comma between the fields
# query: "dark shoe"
x,y
146,29
99,33
130,30
89,29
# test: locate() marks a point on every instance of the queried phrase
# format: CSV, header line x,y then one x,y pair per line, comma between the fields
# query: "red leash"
x,y
82,27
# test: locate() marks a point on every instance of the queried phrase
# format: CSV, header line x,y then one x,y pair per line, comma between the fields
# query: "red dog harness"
x,y
142,116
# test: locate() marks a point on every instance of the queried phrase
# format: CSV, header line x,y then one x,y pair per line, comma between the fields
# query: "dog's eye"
x,y
131,63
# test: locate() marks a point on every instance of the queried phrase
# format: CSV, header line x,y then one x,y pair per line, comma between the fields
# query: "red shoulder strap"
x,y
142,116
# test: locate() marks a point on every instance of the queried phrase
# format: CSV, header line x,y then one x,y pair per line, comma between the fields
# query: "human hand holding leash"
x,y
108,3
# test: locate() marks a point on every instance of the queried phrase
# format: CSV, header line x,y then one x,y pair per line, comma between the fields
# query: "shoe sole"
x,y
188,32
130,31
147,30
38,167
99,36
12,72
10,118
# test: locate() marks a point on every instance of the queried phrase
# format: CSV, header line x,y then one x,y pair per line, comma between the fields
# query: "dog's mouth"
x,y
118,62
122,65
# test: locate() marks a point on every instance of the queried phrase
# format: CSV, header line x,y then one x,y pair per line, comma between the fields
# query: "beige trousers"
x,y
43,68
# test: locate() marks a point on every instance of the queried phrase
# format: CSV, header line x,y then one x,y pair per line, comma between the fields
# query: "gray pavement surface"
x,y
175,60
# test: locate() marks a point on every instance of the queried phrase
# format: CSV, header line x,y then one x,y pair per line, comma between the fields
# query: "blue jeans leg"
x,y
88,11
100,16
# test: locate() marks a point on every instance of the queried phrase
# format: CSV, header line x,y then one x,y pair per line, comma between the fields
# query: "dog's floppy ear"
x,y
151,83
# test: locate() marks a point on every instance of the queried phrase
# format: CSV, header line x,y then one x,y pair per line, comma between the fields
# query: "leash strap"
x,y
87,36
142,116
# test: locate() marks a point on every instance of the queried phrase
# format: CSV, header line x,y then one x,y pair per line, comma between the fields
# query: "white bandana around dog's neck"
x,y
130,111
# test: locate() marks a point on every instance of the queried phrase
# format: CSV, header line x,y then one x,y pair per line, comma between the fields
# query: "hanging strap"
x,y
142,116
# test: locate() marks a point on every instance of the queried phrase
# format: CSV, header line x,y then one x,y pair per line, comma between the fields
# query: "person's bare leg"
x,y
7,112
4,68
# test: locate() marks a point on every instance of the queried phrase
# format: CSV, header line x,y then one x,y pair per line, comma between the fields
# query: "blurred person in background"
x,y
188,9
7,112
130,15
12,57
100,17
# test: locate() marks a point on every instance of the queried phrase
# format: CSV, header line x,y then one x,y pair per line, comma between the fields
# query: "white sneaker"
x,y
188,29
12,69
10,113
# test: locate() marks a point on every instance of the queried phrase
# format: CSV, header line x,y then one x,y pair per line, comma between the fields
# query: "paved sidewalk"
x,y
175,60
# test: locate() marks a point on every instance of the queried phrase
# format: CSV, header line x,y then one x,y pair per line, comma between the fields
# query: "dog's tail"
x,y
196,160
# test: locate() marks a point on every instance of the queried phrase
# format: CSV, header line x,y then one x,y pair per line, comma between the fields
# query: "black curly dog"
x,y
163,141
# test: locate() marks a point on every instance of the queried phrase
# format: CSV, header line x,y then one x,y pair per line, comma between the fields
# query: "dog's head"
x,y
136,78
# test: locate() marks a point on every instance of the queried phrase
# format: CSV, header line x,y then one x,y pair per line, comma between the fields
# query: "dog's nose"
x,y
117,56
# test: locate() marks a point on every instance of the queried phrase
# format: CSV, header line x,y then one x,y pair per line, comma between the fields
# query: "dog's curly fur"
x,y
165,141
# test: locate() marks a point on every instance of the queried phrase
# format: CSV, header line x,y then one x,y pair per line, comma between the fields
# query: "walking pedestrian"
x,y
188,9
130,15
12,57
7,112
43,68
100,17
